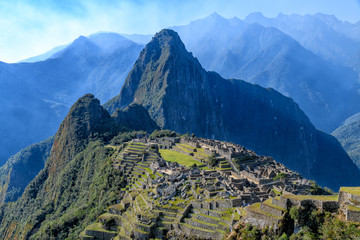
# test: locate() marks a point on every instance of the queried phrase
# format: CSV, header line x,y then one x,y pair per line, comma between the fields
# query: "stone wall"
x,y
271,210
185,212
143,227
141,235
198,233
280,203
210,213
352,215
100,234
270,221
236,202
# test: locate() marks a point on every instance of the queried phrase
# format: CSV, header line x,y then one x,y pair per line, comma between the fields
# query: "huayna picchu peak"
x,y
181,96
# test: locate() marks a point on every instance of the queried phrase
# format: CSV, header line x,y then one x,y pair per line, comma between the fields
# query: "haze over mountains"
x,y
259,50
324,35
35,97
270,58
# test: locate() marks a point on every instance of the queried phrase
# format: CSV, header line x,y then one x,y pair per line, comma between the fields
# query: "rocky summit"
x,y
180,95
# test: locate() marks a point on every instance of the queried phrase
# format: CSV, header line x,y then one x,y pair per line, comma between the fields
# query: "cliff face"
x,y
180,95
135,117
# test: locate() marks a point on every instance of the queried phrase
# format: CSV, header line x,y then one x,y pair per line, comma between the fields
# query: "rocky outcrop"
x,y
135,117
180,95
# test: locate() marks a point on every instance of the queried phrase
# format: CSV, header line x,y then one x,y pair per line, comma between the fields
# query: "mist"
x,y
31,28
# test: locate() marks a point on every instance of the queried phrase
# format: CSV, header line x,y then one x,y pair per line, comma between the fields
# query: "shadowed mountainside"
x,y
180,95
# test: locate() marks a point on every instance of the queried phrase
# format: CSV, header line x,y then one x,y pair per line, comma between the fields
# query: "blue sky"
x,y
32,27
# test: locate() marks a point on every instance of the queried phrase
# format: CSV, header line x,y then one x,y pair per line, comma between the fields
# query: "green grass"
x,y
204,223
208,216
188,147
313,197
140,231
97,227
256,208
106,216
351,190
353,208
201,229
180,158
269,203
201,152
276,192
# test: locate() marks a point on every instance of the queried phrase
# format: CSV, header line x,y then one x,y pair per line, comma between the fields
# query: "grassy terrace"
x,y
353,208
351,190
269,203
256,208
97,227
312,197
180,158
201,152
199,229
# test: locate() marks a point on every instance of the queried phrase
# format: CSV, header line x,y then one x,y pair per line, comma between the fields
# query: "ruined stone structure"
x,y
164,198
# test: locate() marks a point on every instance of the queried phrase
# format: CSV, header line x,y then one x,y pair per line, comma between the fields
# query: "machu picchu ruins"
x,y
193,187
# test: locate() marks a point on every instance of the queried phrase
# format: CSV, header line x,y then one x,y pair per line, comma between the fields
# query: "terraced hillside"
x,y
172,190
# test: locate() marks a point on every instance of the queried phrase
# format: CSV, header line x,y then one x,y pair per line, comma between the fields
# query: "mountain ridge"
x,y
205,105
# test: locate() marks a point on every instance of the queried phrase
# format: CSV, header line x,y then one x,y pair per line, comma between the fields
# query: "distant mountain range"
x,y
270,58
324,35
181,96
235,48
35,97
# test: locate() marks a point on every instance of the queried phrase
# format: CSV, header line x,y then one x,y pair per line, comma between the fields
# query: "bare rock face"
x,y
180,95
135,117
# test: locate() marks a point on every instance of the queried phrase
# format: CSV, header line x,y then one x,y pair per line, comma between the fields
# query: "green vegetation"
x,y
26,164
180,158
212,160
280,176
277,192
353,208
163,133
349,137
317,190
269,203
82,191
351,190
313,197
256,208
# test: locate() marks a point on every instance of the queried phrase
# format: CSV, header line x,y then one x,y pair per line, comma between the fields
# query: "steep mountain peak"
x,y
167,38
157,67
254,17
165,43
80,46
215,16
83,120
109,41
